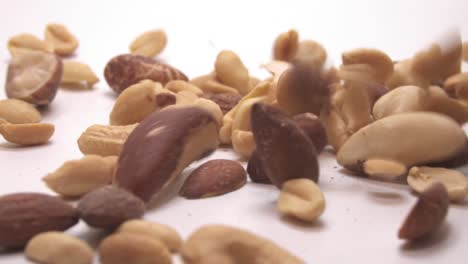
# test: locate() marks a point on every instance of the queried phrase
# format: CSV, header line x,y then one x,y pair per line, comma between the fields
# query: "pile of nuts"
x,y
162,121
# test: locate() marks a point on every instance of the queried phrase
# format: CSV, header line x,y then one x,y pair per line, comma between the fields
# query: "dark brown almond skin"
x,y
214,178
284,150
148,160
255,170
110,206
127,69
165,99
427,214
313,128
24,215
225,101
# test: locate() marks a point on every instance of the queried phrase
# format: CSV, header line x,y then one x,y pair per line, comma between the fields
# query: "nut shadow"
x,y
435,241
386,198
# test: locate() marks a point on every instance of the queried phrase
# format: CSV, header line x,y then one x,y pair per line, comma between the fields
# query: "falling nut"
x,y
59,37
214,178
427,214
163,233
76,73
286,45
177,86
104,140
27,42
381,66
302,199
384,170
421,179
18,112
78,177
243,143
312,51
57,247
27,134
34,76
149,44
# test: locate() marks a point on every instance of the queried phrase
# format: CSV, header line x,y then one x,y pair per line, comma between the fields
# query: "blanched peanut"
x,y
311,50
177,86
150,43
59,37
18,112
243,143
286,45
385,170
231,71
76,72
25,41
457,85
27,134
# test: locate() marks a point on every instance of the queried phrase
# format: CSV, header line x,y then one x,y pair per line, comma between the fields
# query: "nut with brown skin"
x,y
427,214
313,128
214,178
34,76
109,206
226,101
24,215
286,45
125,70
283,148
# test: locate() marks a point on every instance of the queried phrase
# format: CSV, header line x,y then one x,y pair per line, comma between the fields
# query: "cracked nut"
x,y
34,77
427,214
286,45
57,247
104,140
150,43
421,179
232,72
18,112
24,215
27,134
163,233
109,206
78,177
256,171
224,244
76,73
27,42
164,144
214,178
59,37
302,199
125,70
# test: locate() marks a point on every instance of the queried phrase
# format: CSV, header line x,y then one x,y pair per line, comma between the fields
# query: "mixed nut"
x,y
162,122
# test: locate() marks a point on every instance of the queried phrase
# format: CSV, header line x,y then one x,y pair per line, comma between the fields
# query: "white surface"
x,y
362,217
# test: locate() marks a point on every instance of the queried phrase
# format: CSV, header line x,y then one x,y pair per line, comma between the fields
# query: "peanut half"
x,y
24,42
75,72
286,45
150,43
18,112
104,140
27,134
231,71
465,51
59,37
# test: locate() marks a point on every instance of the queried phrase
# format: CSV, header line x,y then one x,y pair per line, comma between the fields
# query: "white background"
x,y
362,217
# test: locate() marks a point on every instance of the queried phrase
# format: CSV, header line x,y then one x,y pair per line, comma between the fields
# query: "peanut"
x,y
286,45
18,112
27,134
104,140
77,72
231,71
311,50
177,86
150,43
19,43
384,170
59,37
457,85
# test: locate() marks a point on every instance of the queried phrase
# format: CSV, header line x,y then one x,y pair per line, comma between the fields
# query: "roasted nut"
x,y
440,102
78,177
104,140
59,37
243,143
255,170
24,215
76,73
18,112
57,247
313,128
125,248
457,85
138,101
27,134
34,76
465,51
384,170
302,199
125,70
149,44
177,86
209,84
403,75
223,244
226,101
284,150
383,140
407,98
286,45
421,179
164,233
427,214
109,206
311,50
231,71
163,145
214,178
381,66
27,42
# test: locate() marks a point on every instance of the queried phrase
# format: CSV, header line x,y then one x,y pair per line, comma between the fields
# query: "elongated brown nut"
x,y
150,43
27,134
59,37
224,244
162,146
283,149
313,128
78,177
104,140
18,112
427,214
231,71
177,86
384,170
27,42
77,72
286,45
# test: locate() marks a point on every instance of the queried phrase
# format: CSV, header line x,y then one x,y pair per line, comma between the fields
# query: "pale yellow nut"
x,y
77,72
301,198
286,45
231,71
26,41
440,102
408,98
164,233
312,51
356,108
185,97
243,143
208,83
457,85
78,177
335,127
176,86
380,63
150,43
104,140
18,112
58,248
64,43
404,75
421,178
384,170
27,134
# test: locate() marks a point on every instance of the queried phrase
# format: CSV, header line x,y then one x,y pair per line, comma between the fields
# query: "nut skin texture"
x,y
427,214
286,45
162,146
124,248
285,152
57,248
218,244
213,178
313,128
110,206
18,112
226,101
127,69
59,37
27,134
24,215
20,67
255,170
